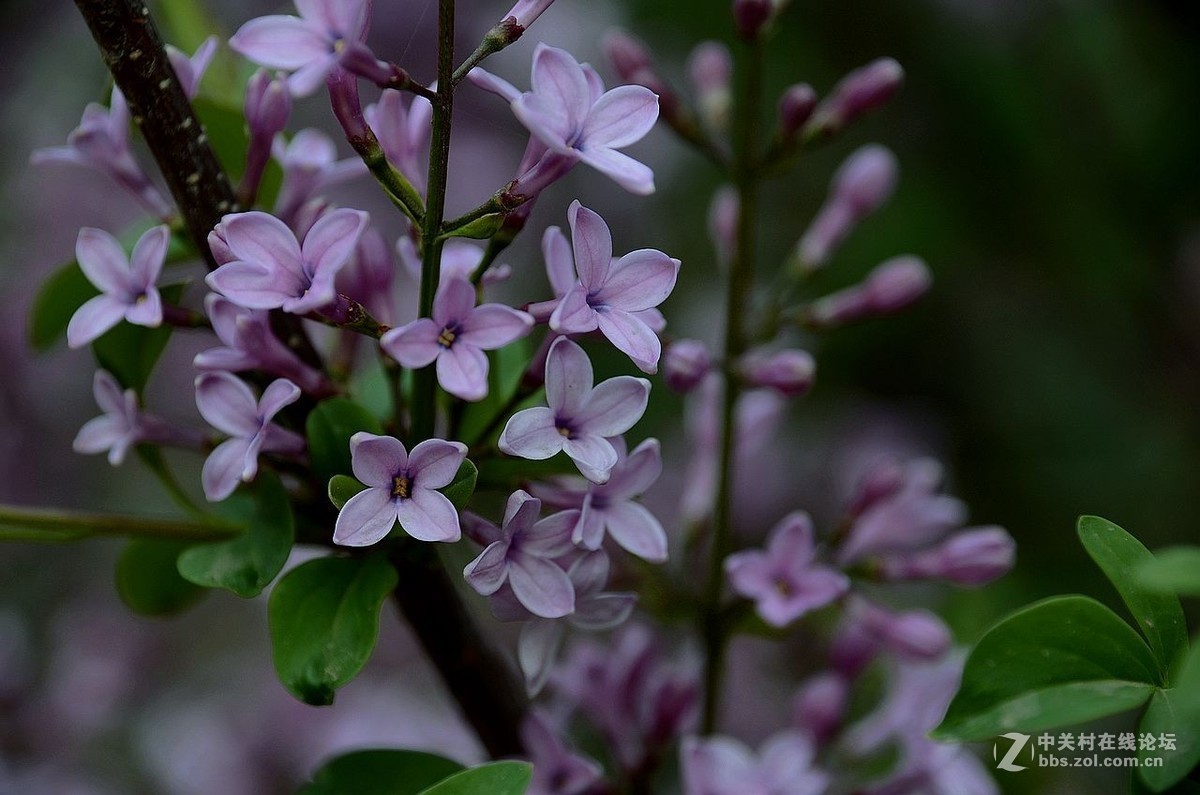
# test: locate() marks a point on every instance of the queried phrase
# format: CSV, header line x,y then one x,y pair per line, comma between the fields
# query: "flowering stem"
x,y
496,40
55,525
181,317
741,285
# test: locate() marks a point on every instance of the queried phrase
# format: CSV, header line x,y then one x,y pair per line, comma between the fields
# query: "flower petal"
x,y
551,537
614,406
103,261
640,280
329,244
487,572
589,574
365,519
110,397
376,460
252,285
559,82
560,262
594,455
531,434
434,462
100,434
93,319
636,474
603,611
792,540
145,264
593,246
227,404
281,392
568,378
261,237
147,310
637,531
223,469
454,302
462,370
493,326
429,516
632,337
749,573
574,315
414,345
281,42
620,117
633,176
540,585
589,530
537,648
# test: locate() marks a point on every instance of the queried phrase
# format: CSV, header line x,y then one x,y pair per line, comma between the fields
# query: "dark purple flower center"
x,y
402,486
564,428
784,586
448,336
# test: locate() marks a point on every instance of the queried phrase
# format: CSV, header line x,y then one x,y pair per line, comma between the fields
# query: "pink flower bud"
x,y
891,287
788,372
268,105
526,12
627,54
860,186
916,634
972,557
882,480
751,16
796,106
722,222
820,705
685,364
710,67
217,245
859,92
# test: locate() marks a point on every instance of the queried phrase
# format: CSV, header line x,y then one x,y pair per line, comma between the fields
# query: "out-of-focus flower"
x,y
308,46
972,557
892,286
403,128
400,488
725,766
868,628
272,270
710,67
190,70
521,552
123,423
790,372
785,581
267,107
228,405
861,185
556,769
610,507
685,364
751,16
796,106
369,275
820,705
460,260
858,93
608,294
579,418
127,285
526,12
310,165
723,215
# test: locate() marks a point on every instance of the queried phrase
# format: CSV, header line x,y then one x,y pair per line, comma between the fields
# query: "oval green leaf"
x,y
342,488
329,428
1119,555
324,620
247,564
148,581
460,490
498,778
1057,662
1175,711
381,772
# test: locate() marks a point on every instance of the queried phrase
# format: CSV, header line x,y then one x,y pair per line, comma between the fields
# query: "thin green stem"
x,y
496,40
424,380
741,286
55,524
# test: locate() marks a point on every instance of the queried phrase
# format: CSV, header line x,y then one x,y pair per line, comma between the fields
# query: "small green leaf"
x,y
329,428
507,368
460,490
247,564
130,352
1175,711
342,488
1057,662
149,583
65,291
481,228
1173,570
1119,555
324,620
498,778
381,772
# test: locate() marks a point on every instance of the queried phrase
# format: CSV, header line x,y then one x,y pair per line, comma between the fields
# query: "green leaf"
x,y
507,368
342,488
463,486
1173,570
381,772
329,428
481,228
149,583
498,778
324,620
1175,711
247,564
1057,662
130,352
1119,555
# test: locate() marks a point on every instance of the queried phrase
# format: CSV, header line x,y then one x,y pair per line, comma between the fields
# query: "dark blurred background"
x,y
1050,177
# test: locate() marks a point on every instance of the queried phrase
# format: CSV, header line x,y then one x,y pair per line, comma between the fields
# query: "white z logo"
x,y
1018,745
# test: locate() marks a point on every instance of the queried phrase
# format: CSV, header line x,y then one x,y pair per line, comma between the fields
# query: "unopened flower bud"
x,y
218,246
685,363
268,105
891,287
970,558
627,54
859,93
526,12
860,186
882,480
710,67
722,222
751,16
820,705
788,372
915,634
796,106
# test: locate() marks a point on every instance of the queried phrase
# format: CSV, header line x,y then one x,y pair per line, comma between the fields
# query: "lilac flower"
x,y
610,506
526,12
403,129
579,418
861,185
595,610
127,285
521,552
272,270
723,213
972,557
609,294
250,344
725,766
460,260
228,405
400,488
310,45
785,581
892,286
858,93
751,16
576,121
796,106
556,769
456,337
710,67
369,276
190,71
820,705
267,107
685,364
120,427
788,372
101,142
310,165
868,628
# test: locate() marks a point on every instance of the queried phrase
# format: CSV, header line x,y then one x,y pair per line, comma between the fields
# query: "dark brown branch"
x,y
479,678
133,52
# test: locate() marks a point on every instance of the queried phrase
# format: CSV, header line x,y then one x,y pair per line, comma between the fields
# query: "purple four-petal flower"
x,y
401,487
456,337
579,418
127,286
